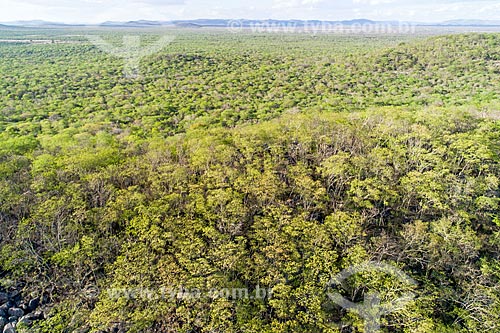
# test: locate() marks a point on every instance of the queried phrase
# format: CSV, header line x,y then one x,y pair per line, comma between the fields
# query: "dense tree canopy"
x,y
253,161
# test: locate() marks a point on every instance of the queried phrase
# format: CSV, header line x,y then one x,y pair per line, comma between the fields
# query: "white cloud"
x,y
103,10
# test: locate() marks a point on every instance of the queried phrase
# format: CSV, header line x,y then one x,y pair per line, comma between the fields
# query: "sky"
x,y
97,11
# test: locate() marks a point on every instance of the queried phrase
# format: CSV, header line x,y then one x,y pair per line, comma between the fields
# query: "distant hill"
x,y
250,23
471,23
197,23
359,21
203,22
40,23
138,23
187,25
112,24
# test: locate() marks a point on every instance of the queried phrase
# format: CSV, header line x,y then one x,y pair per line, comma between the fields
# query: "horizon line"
x,y
42,21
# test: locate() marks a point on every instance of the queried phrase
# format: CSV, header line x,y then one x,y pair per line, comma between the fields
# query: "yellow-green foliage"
x,y
269,162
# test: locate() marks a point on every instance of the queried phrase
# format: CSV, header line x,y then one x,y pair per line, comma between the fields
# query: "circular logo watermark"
x,y
235,26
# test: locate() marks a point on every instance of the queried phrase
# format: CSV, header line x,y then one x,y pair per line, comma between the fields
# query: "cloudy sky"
x,y
95,11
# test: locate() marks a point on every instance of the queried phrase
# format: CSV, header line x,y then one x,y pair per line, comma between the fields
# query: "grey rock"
x,y
9,328
4,307
16,312
33,303
15,294
26,321
12,319
24,307
30,316
2,314
37,315
4,298
2,323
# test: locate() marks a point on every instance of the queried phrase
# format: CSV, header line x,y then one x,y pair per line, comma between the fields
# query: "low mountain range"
x,y
245,23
